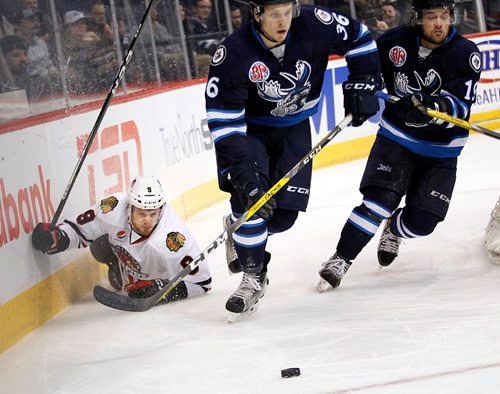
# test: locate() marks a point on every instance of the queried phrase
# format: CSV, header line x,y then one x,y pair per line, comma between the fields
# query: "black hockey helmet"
x,y
420,5
259,5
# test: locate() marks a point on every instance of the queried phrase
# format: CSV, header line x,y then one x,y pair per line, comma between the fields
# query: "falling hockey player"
x,y
415,155
138,236
264,83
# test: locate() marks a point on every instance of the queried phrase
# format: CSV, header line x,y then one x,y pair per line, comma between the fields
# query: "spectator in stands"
x,y
79,46
168,50
13,74
203,36
45,22
105,59
98,21
390,17
236,17
27,24
6,28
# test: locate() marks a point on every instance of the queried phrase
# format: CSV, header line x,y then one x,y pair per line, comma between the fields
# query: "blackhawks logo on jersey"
x,y
128,263
108,204
175,241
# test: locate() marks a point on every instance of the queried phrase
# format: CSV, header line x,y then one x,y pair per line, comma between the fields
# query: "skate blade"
x,y
323,286
235,317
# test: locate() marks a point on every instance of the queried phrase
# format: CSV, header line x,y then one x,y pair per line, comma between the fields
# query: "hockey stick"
x,y
126,303
443,116
97,124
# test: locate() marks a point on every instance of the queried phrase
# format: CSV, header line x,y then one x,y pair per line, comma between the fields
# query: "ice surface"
x,y
430,323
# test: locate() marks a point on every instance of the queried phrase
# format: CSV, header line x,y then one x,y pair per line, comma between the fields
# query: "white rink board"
x,y
164,134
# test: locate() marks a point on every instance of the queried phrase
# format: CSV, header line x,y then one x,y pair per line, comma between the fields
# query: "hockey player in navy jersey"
x,y
264,83
414,155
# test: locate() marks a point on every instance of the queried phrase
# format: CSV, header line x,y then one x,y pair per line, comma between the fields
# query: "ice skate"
x,y
492,238
332,272
388,246
233,263
244,301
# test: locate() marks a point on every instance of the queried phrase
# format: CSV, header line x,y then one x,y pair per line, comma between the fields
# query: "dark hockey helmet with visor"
x,y
259,5
419,6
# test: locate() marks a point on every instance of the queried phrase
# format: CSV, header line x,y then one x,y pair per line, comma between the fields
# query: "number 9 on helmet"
x,y
145,192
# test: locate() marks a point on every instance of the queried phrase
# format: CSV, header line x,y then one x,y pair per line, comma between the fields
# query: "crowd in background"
x,y
72,49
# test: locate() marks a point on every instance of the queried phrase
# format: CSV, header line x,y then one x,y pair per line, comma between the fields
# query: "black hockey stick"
x,y
97,124
443,116
126,303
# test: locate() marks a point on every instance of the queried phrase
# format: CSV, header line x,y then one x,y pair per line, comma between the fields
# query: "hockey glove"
x,y
148,288
360,99
245,181
49,241
408,112
145,288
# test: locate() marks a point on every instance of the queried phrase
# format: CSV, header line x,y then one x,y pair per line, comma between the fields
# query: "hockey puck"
x,y
290,372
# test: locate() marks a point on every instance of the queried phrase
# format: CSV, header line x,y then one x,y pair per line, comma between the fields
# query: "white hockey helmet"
x,y
145,192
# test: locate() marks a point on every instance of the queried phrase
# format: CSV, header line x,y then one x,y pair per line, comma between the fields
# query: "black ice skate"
x,y
244,301
332,272
388,246
233,263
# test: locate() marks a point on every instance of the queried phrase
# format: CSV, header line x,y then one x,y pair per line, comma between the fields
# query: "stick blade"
x,y
122,302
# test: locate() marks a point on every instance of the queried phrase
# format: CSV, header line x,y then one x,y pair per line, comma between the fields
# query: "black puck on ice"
x,y
290,372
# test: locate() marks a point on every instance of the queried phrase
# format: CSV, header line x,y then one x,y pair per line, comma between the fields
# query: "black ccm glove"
x,y
359,98
408,112
49,241
245,181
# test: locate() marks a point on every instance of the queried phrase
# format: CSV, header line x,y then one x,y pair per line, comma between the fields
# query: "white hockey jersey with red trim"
x,y
169,248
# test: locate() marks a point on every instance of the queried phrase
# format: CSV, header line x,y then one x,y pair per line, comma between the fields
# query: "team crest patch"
x,y
323,16
175,241
475,61
397,55
219,56
108,204
258,72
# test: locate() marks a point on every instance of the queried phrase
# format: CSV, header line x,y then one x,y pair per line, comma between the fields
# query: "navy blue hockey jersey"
x,y
247,84
451,71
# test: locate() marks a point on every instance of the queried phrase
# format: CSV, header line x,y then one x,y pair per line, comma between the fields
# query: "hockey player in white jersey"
x,y
138,236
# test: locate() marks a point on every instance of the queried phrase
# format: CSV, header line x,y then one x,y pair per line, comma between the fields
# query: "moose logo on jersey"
x,y
108,204
290,99
431,84
175,241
